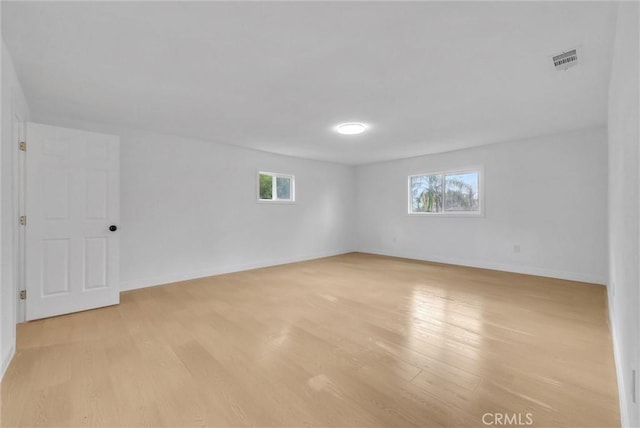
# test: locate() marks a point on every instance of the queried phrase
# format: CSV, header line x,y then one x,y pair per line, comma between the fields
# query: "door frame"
x,y
19,195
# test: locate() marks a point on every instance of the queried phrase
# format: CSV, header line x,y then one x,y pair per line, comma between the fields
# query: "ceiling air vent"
x,y
565,60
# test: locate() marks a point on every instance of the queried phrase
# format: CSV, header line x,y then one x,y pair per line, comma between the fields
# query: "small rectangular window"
x,y
455,192
276,187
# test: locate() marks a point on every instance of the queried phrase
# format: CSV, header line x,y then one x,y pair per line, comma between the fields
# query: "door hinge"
x,y
23,294
23,146
23,220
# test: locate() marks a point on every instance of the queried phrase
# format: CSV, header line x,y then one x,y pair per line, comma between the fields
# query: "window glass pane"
x,y
283,187
426,193
461,192
266,186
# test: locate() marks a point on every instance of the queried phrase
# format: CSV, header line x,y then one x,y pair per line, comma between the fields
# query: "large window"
x,y
276,187
455,192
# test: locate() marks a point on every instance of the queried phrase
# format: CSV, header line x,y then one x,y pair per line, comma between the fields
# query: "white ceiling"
x,y
276,76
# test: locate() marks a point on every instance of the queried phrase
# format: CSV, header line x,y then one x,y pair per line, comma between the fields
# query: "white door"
x,y
72,202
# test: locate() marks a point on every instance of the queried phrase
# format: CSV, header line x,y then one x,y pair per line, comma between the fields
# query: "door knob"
x,y
113,228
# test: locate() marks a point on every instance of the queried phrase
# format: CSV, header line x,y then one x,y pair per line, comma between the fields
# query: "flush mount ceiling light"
x,y
351,128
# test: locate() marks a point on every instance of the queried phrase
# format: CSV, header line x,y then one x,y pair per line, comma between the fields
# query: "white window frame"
x,y
480,213
274,191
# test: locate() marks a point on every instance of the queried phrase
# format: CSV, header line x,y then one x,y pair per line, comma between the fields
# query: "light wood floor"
x,y
353,340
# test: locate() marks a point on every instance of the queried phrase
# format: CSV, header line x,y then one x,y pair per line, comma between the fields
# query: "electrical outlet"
x,y
516,248
613,289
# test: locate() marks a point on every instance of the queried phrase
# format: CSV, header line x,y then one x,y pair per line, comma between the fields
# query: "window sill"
x,y
458,214
275,202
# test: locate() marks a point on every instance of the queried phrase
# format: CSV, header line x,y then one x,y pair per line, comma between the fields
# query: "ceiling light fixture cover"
x,y
351,128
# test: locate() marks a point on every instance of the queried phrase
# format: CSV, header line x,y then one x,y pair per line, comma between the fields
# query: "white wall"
x,y
188,209
13,105
624,201
547,195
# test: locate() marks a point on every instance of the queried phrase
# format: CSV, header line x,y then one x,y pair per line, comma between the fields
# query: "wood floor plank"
x,y
351,340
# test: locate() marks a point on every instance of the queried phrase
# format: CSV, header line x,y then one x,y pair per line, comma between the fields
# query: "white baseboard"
x,y
528,270
622,390
220,270
7,360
